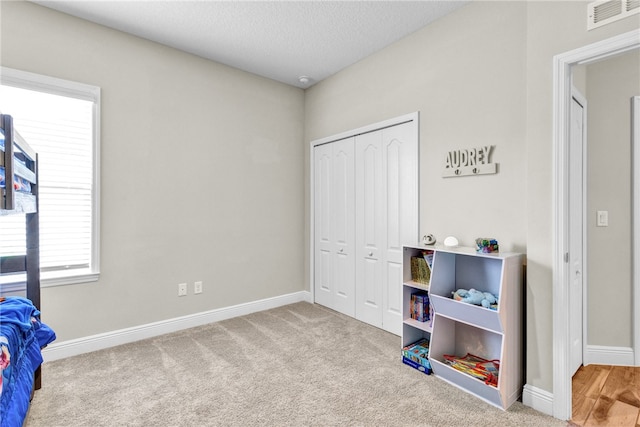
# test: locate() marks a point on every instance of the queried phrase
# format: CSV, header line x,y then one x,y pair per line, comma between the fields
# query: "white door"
x,y
400,216
370,195
334,271
577,136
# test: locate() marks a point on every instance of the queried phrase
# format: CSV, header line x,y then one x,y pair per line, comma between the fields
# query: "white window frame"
x,y
55,86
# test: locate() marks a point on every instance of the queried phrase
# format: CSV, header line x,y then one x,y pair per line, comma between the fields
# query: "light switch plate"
x,y
602,218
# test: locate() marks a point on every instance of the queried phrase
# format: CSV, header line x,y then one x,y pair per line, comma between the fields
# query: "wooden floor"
x,y
606,396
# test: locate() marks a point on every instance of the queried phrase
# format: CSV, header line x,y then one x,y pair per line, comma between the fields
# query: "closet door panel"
x,y
343,195
392,313
323,248
369,228
400,174
343,226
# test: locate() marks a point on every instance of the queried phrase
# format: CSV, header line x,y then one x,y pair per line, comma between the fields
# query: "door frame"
x,y
562,65
411,117
635,226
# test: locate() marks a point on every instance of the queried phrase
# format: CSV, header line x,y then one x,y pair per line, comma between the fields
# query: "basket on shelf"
x,y
420,273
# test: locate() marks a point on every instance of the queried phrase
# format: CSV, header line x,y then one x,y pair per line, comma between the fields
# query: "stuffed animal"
x,y
475,297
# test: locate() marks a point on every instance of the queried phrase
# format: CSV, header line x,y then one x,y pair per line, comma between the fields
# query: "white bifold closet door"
x,y
365,194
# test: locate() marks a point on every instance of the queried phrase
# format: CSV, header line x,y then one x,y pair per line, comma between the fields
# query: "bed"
x,y
22,334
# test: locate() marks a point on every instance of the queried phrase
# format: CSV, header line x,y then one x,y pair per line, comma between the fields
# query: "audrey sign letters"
x,y
471,161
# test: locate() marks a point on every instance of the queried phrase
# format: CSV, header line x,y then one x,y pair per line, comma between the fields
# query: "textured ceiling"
x,y
281,40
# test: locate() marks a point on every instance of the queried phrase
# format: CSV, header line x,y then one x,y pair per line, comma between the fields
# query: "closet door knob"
x,y
341,250
370,253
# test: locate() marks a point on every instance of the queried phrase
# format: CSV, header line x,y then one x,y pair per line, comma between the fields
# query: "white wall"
x,y
201,174
610,86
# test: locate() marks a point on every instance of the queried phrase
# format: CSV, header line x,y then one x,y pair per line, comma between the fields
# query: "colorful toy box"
x,y
416,355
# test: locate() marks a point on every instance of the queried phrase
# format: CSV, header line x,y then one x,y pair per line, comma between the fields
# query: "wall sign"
x,y
472,161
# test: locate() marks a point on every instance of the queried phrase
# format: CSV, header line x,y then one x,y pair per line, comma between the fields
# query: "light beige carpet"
x,y
297,365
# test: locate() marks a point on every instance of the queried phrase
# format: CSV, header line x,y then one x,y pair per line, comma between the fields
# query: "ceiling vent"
x,y
601,13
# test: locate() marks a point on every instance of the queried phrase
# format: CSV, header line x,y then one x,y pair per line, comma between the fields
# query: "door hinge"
x,y
566,257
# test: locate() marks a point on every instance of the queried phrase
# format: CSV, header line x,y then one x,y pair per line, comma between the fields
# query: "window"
x,y
60,120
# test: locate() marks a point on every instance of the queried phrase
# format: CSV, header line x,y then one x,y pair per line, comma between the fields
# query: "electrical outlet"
x,y
182,289
197,287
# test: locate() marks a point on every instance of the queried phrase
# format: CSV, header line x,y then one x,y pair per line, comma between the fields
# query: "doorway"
x,y
563,64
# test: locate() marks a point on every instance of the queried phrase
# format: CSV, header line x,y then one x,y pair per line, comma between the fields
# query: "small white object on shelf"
x,y
451,241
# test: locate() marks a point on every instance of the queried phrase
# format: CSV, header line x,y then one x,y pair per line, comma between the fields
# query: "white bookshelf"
x,y
459,328
412,330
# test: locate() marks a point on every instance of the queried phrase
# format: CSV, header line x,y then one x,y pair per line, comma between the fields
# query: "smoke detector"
x,y
305,80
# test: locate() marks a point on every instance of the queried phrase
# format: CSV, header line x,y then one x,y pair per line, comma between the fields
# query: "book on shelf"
x,y
428,257
420,306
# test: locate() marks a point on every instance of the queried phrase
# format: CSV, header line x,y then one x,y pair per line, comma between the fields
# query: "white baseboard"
x,y
64,349
605,355
538,399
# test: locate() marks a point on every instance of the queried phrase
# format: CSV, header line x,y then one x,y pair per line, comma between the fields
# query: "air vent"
x,y
600,13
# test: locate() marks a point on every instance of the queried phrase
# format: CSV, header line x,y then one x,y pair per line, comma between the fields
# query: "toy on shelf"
x,y
486,245
429,239
416,355
475,297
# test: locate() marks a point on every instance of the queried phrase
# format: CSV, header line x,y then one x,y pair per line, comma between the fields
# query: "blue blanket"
x,y
22,335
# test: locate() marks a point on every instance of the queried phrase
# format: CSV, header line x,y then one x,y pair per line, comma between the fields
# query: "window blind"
x,y
60,129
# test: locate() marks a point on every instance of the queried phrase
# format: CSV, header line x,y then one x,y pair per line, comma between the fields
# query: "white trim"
x,y
538,399
606,355
52,278
47,84
95,191
73,277
312,219
635,186
561,96
64,349
411,117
